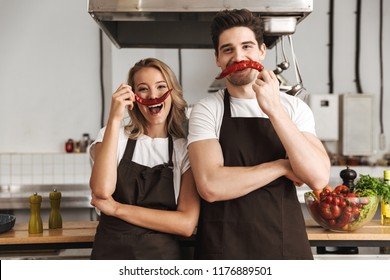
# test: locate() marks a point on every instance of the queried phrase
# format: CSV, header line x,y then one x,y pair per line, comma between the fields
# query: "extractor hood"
x,y
186,24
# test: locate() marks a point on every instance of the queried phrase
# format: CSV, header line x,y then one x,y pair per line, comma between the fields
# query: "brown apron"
x,y
264,224
143,186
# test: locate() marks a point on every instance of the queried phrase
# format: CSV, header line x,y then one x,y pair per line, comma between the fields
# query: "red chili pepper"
x,y
149,102
239,66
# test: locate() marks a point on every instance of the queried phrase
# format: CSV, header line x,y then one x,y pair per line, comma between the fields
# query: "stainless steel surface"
x,y
14,197
186,24
279,25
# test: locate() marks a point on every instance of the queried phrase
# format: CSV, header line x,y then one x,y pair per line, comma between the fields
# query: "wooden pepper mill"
x,y
348,175
35,223
55,219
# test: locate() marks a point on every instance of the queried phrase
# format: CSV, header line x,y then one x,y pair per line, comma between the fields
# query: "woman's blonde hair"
x,y
176,120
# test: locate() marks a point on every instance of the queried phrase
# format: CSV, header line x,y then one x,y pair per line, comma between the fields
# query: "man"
x,y
248,145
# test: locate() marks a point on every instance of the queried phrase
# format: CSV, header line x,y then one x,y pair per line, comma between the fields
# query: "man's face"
x,y
236,44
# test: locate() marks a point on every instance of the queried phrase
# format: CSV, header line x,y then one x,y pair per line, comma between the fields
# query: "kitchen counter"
x,y
372,234
72,235
81,235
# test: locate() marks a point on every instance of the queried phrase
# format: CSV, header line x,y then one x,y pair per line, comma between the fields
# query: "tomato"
x,y
328,199
355,212
336,211
325,211
329,211
336,200
325,192
345,218
341,189
343,203
328,188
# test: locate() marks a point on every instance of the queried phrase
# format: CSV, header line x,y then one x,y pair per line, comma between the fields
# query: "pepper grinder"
x,y
55,219
35,223
348,175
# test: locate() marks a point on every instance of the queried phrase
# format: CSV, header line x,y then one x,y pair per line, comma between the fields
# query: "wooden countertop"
x,y
81,235
72,235
372,234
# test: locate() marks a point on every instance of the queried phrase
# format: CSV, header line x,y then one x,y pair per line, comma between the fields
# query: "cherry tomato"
x,y
355,212
336,211
341,189
328,199
336,200
325,211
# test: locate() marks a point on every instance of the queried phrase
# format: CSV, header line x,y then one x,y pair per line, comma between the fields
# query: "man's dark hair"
x,y
227,19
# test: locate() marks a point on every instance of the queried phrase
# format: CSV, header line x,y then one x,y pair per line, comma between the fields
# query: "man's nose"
x,y
238,55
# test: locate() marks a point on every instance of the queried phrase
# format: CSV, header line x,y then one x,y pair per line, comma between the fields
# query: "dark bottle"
x,y
55,219
84,143
35,223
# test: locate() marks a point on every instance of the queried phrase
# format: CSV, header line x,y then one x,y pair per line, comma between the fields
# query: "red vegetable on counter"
x,y
150,102
240,66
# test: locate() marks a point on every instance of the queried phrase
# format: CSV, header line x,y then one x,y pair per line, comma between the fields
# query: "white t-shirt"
x,y
206,116
151,152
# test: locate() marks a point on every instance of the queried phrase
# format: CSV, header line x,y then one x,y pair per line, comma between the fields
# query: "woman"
x,y
141,180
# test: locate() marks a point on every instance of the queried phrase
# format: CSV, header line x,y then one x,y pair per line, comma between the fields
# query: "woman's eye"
x,y
162,87
142,89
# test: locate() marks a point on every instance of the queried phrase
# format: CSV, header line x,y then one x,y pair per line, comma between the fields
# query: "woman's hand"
x,y
107,206
122,97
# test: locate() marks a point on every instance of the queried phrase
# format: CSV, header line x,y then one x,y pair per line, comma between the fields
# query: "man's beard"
x,y
242,80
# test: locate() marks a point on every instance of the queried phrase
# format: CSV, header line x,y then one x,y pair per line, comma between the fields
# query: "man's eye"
x,y
227,50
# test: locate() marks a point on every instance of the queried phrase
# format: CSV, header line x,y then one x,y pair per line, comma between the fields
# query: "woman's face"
x,y
149,83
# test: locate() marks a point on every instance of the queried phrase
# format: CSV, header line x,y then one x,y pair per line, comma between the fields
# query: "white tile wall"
x,y
74,168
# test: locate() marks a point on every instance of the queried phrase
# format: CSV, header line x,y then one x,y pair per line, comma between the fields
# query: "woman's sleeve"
x,y
99,139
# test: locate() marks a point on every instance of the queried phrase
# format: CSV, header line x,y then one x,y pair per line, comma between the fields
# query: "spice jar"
x,y
55,219
35,223
69,146
84,143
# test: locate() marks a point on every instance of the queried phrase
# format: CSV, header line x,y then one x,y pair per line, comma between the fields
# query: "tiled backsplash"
x,y
36,168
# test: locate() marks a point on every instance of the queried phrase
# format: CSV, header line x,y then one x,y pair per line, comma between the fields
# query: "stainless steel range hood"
x,y
186,24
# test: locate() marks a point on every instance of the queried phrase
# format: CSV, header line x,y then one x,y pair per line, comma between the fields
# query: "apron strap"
x,y
129,151
170,150
226,101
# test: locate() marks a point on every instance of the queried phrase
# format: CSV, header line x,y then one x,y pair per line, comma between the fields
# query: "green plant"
x,y
367,185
